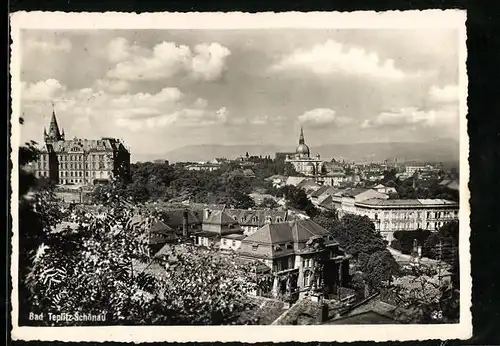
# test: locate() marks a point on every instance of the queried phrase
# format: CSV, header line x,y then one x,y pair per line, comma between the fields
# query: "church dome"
x,y
303,149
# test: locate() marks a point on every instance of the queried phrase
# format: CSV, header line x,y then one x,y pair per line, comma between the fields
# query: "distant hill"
x,y
439,150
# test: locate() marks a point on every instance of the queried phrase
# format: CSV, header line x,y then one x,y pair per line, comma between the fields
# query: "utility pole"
x,y
440,256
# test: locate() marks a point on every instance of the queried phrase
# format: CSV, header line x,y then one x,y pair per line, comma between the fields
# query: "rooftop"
x,y
86,145
406,202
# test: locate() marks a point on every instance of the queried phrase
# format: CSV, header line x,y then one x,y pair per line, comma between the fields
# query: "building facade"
x,y
80,161
407,214
301,255
302,160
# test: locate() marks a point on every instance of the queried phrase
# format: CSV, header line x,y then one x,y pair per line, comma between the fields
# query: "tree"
x,y
328,219
297,198
421,299
268,203
405,239
98,269
380,268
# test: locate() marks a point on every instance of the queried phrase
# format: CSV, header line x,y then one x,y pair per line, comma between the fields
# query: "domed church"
x,y
302,160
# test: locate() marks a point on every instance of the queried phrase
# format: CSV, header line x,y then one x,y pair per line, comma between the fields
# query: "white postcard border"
x,y
232,20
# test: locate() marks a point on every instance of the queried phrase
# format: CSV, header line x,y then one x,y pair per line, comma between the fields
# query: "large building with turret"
x,y
80,161
302,160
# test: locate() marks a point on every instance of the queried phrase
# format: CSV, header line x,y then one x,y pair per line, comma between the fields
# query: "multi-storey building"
x,y
302,160
392,215
80,161
301,255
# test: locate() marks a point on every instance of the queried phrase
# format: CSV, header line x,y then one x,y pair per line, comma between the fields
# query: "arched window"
x,y
307,278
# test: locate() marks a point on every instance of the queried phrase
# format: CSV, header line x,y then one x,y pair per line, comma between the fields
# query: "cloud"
x,y
46,90
166,59
209,60
322,116
333,57
47,46
131,112
113,86
446,94
412,116
119,49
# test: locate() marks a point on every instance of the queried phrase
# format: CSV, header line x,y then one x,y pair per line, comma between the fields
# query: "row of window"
x,y
78,173
81,157
225,242
255,219
71,165
409,215
410,226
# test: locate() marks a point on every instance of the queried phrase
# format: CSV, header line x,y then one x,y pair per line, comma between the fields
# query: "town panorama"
x,y
237,178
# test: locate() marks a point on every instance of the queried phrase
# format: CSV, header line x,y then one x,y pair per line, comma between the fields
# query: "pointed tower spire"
x,y
54,133
301,138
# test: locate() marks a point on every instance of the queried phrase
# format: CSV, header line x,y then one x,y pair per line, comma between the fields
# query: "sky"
x,y
158,90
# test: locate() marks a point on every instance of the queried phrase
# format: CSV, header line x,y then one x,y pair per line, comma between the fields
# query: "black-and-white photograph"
x,y
239,176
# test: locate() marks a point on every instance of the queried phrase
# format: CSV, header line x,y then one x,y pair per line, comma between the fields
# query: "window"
x,y
224,241
254,247
279,219
233,243
307,278
289,246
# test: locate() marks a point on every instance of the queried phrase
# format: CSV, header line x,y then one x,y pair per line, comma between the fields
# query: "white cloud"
x,y
119,49
206,62
112,86
446,94
333,57
322,116
42,91
47,46
412,116
130,112
209,60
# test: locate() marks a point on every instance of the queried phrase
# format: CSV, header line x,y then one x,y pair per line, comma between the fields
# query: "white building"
x,y
406,214
302,160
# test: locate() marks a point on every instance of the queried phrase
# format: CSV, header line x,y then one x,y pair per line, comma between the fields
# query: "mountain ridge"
x,y
432,151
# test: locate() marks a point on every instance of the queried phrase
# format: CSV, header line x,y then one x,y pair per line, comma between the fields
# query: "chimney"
x,y
322,313
185,223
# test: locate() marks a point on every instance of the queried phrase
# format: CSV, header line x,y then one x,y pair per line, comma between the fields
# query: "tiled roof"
x,y
353,192
407,202
326,201
319,191
160,227
87,145
273,240
256,217
174,217
219,217
294,180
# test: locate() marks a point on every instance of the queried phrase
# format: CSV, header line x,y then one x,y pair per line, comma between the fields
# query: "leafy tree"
x,y
380,268
328,219
405,239
421,299
268,203
297,198
97,269
357,234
